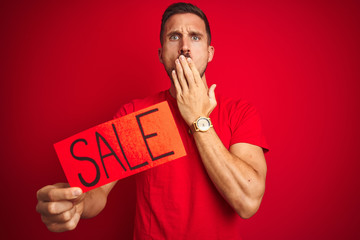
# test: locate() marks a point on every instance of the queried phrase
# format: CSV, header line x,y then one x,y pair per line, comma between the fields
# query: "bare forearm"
x,y
94,203
95,200
238,182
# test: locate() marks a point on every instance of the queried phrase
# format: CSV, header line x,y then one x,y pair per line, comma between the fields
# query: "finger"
x,y
180,76
212,92
212,98
79,208
53,208
189,75
176,82
197,77
67,226
59,218
54,193
78,199
62,185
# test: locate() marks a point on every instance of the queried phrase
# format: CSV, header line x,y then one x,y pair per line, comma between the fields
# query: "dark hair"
x,y
181,7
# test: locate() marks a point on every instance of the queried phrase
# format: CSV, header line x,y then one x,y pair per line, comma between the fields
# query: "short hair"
x,y
181,7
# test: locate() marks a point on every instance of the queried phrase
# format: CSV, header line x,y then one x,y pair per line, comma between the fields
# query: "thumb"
x,y
212,92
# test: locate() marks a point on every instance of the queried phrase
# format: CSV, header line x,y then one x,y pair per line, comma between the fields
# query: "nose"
x,y
184,48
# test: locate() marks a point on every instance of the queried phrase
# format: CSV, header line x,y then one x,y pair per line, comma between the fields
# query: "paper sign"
x,y
121,147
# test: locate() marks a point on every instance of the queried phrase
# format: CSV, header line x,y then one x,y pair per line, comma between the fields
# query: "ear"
x,y
211,51
160,55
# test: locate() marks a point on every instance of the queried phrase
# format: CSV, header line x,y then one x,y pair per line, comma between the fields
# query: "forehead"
x,y
185,21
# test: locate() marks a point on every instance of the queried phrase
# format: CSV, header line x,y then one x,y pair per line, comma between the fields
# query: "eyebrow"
x,y
196,33
174,33
191,33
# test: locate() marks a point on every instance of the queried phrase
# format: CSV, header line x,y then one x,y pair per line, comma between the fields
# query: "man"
x,y
222,178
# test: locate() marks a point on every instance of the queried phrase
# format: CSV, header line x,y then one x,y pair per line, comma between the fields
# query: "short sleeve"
x,y
245,125
124,110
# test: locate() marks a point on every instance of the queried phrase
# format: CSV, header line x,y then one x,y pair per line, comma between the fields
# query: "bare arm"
x,y
96,199
61,207
238,173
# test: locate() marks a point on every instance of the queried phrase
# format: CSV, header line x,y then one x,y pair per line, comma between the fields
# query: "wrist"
x,y
201,124
193,118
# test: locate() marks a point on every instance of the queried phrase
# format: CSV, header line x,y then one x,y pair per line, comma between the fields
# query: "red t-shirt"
x,y
178,200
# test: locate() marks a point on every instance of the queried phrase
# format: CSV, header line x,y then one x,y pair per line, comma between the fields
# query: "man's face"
x,y
185,34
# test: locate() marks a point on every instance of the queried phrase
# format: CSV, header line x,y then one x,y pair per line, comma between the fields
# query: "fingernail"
x,y
177,61
189,59
173,72
182,57
77,192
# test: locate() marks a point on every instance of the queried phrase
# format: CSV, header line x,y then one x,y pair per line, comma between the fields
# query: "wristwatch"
x,y
202,124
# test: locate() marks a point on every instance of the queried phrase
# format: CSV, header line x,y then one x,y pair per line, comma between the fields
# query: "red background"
x,y
67,66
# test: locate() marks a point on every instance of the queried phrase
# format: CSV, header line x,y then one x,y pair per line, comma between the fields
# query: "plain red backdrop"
x,y
67,66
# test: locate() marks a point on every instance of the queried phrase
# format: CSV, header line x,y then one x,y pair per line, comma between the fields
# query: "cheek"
x,y
169,61
169,58
201,59
200,51
169,52
171,47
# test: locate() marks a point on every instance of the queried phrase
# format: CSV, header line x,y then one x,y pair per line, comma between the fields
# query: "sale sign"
x,y
121,147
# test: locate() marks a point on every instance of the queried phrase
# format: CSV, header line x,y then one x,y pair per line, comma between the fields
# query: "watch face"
x,y
203,124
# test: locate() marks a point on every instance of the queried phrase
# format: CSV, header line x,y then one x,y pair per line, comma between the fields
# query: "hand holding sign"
x,y
60,206
103,154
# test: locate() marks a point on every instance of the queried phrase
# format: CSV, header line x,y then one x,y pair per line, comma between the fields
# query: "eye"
x,y
196,38
174,37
